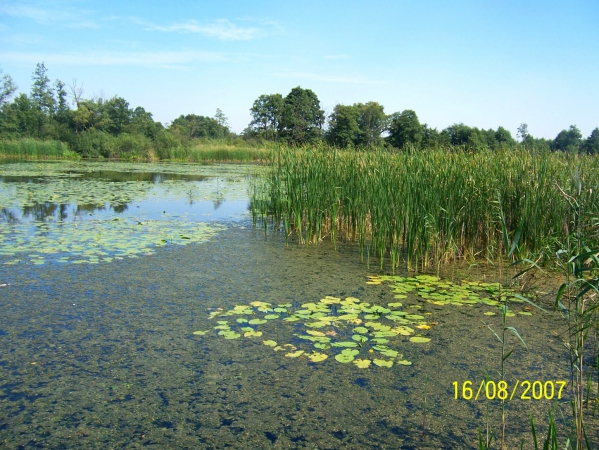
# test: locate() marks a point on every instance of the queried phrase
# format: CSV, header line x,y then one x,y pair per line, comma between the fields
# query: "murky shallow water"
x,y
103,356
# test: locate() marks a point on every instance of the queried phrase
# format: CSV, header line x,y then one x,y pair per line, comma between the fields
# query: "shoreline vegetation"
x,y
200,151
421,208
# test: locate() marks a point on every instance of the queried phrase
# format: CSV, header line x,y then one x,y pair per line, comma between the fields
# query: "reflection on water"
x,y
149,193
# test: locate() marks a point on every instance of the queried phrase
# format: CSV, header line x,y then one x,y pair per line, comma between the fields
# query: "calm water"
x,y
103,355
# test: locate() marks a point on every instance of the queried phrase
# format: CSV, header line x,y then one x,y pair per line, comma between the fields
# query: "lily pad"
x,y
256,321
294,354
362,363
382,362
344,358
200,333
270,343
419,339
317,357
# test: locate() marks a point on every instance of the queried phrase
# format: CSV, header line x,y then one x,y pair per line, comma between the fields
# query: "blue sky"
x,y
483,63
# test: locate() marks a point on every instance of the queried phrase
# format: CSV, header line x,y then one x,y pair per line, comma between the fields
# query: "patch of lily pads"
x,y
95,241
441,292
345,330
40,189
70,183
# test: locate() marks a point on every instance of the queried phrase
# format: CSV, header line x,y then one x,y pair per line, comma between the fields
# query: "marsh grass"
x,y
33,148
418,207
139,148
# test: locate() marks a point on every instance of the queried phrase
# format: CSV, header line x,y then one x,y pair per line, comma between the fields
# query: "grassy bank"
x,y
35,149
431,205
132,149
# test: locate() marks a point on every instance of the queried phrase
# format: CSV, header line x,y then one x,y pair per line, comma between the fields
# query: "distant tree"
x,y
523,132
404,129
222,120
42,95
591,144
192,126
568,140
143,123
301,119
7,89
357,125
372,121
343,129
267,112
430,137
503,138
117,115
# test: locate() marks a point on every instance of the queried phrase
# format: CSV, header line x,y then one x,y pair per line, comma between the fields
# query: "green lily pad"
x,y
200,333
344,344
241,320
271,316
350,351
232,335
317,357
270,343
359,338
404,362
382,362
419,339
361,330
294,354
344,358
256,321
362,363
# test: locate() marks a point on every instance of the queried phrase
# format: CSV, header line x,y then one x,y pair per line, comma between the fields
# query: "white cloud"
x,y
328,78
69,18
148,59
221,29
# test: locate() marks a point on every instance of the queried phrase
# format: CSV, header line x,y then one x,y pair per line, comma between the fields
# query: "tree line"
x,y
99,127
298,119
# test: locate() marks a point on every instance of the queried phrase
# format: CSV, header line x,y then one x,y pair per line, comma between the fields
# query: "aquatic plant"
x,y
423,206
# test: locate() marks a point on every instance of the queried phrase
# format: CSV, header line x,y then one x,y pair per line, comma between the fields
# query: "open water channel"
x,y
141,309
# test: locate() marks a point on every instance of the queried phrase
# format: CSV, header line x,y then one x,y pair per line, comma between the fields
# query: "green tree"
x,y
568,140
343,129
405,129
372,121
192,126
267,112
42,95
117,115
430,137
223,123
503,138
357,125
7,89
301,119
591,144
523,132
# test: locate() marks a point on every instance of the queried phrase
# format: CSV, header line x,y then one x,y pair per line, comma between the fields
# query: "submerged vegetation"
x,y
431,206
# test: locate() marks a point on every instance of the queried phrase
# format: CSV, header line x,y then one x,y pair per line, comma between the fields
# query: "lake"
x,y
108,269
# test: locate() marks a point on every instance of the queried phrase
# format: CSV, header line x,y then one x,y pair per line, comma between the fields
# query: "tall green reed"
x,y
417,207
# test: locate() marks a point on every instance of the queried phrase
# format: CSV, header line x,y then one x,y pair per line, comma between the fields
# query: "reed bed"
x,y
430,205
33,148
